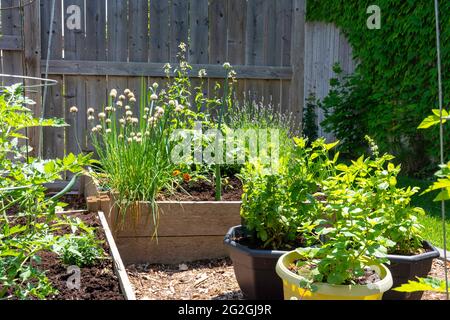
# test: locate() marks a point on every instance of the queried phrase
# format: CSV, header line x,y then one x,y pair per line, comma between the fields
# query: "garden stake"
x,y
441,137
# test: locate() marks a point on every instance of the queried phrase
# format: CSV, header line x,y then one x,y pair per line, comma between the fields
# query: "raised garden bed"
x,y
187,231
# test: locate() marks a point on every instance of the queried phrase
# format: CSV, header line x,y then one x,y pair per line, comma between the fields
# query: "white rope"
x,y
441,138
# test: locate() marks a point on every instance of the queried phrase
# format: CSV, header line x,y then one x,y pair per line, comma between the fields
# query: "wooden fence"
x,y
325,46
97,45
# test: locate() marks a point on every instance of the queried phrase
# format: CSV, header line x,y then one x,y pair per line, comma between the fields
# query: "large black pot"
x,y
405,268
254,269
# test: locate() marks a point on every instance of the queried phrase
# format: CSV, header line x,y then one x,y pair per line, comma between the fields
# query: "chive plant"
x,y
133,138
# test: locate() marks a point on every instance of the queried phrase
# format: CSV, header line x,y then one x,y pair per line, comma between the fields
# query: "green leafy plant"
x,y
443,175
346,110
423,284
349,244
277,202
28,219
81,247
395,80
375,179
310,126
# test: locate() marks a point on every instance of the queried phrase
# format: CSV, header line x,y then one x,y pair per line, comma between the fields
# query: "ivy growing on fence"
x,y
398,65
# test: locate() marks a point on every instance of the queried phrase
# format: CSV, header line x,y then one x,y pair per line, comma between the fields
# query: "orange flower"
x,y
176,173
186,177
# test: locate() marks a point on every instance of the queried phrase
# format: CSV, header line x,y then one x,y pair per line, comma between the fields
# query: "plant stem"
x,y
219,131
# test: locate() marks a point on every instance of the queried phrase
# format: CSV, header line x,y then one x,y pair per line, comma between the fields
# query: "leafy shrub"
x,y
310,126
346,109
396,82
370,185
443,175
275,203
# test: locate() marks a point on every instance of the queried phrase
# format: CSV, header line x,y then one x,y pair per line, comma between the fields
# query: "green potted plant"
x,y
411,256
275,204
347,262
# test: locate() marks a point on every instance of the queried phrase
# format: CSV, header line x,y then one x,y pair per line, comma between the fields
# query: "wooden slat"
x,y
237,13
32,64
54,144
297,60
159,31
170,250
74,40
10,43
75,86
285,11
138,30
117,30
156,69
75,95
119,267
12,60
96,97
179,27
96,49
199,26
95,30
57,38
256,12
272,50
218,31
255,33
204,218
120,84
53,138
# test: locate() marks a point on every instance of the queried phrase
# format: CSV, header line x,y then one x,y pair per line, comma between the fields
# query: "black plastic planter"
x,y
254,269
405,268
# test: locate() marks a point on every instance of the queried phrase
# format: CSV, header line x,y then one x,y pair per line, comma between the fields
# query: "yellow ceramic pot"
x,y
292,291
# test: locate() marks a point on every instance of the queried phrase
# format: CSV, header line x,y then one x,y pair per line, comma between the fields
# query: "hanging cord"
x,y
44,99
441,138
22,34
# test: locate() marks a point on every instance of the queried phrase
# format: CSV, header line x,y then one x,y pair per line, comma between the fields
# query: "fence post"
x,y
32,52
298,61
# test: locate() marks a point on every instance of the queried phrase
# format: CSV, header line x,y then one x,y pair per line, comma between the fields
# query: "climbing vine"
x,y
397,74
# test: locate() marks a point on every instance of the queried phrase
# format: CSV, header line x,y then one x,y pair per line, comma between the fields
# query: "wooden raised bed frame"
x,y
187,231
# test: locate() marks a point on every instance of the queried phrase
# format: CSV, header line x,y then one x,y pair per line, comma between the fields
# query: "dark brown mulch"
x,y
203,280
75,202
437,271
97,283
205,191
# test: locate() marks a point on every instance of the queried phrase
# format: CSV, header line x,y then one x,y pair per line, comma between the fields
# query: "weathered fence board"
x,y
179,27
138,33
325,46
159,31
12,61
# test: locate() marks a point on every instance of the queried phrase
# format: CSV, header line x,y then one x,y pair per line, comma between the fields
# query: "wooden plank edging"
x,y
119,267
